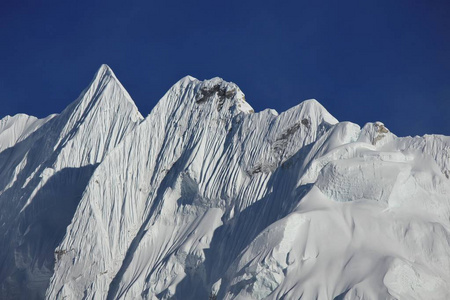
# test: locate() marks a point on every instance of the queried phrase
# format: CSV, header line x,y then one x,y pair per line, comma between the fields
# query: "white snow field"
x,y
204,198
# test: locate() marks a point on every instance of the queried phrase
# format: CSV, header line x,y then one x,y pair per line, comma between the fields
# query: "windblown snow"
x,y
204,198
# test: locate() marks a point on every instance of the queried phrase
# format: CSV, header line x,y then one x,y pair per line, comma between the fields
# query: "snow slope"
x,y
206,197
44,173
16,128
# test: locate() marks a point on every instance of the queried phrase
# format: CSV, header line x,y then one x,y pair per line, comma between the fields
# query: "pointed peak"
x,y
312,108
104,72
188,78
313,104
104,89
185,81
102,78
105,67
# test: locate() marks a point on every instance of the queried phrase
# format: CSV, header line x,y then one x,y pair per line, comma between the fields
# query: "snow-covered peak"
x,y
221,91
105,102
313,107
44,175
186,80
103,85
105,69
311,112
105,73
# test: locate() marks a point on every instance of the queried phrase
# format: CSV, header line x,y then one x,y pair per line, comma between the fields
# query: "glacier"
x,y
205,198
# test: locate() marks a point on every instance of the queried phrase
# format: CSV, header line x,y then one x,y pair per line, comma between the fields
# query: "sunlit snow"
x,y
206,198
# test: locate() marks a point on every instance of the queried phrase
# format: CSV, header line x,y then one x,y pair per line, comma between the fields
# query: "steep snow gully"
x,y
206,198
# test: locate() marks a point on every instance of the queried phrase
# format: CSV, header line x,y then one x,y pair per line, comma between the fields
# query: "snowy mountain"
x,y
206,198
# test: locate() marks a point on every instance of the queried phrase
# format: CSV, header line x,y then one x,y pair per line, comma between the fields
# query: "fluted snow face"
x,y
200,156
17,128
205,196
44,172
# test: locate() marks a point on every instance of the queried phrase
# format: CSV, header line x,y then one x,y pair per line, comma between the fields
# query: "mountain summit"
x,y
204,198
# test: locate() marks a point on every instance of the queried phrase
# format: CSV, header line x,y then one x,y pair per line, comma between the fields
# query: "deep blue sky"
x,y
364,60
